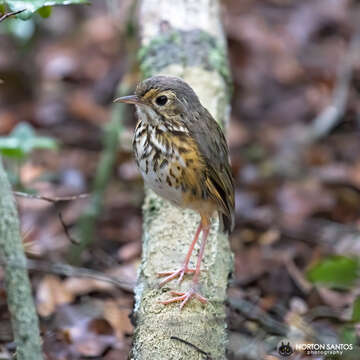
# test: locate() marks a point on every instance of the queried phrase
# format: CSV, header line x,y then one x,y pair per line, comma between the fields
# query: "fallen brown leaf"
x,y
51,292
118,318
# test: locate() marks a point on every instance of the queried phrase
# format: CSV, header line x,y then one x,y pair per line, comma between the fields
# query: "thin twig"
x,y
55,200
66,229
51,199
193,346
5,16
298,276
72,271
254,312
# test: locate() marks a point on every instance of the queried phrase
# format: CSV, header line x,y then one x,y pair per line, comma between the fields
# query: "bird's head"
x,y
162,99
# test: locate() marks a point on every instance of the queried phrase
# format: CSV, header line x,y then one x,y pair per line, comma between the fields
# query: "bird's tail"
x,y
227,223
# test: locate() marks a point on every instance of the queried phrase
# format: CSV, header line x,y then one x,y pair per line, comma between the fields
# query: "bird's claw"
x,y
184,297
170,275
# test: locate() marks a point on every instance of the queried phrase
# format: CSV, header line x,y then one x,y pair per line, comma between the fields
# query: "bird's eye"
x,y
161,100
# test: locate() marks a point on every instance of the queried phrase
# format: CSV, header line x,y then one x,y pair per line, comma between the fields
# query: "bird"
x,y
183,156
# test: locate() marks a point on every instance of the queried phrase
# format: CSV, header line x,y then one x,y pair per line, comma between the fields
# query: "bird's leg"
x,y
184,269
193,291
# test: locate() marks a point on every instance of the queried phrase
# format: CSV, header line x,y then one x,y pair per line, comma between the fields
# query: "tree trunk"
x,y
18,290
182,38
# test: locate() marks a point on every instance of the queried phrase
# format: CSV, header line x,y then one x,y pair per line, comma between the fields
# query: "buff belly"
x,y
160,181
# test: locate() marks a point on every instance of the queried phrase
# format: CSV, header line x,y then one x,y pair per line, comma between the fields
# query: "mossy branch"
x,y
182,38
18,289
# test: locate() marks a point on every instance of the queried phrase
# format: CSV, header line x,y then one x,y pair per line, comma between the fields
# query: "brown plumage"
x,y
182,154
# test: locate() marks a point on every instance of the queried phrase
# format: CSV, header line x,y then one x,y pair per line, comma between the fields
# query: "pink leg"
x,y
201,255
184,269
193,292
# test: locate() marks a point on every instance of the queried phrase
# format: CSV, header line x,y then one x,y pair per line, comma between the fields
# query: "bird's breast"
x,y
155,157
168,164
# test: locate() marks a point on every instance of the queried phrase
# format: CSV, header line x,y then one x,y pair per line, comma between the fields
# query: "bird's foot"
x,y
184,297
170,275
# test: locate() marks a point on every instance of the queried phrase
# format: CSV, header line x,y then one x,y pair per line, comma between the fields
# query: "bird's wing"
x,y
212,146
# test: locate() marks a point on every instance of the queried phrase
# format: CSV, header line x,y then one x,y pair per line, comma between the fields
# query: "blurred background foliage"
x,y
294,142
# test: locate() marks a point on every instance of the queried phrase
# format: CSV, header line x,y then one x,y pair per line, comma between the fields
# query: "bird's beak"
x,y
131,99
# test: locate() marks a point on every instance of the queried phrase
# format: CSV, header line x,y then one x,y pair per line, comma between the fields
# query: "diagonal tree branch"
x,y
333,113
